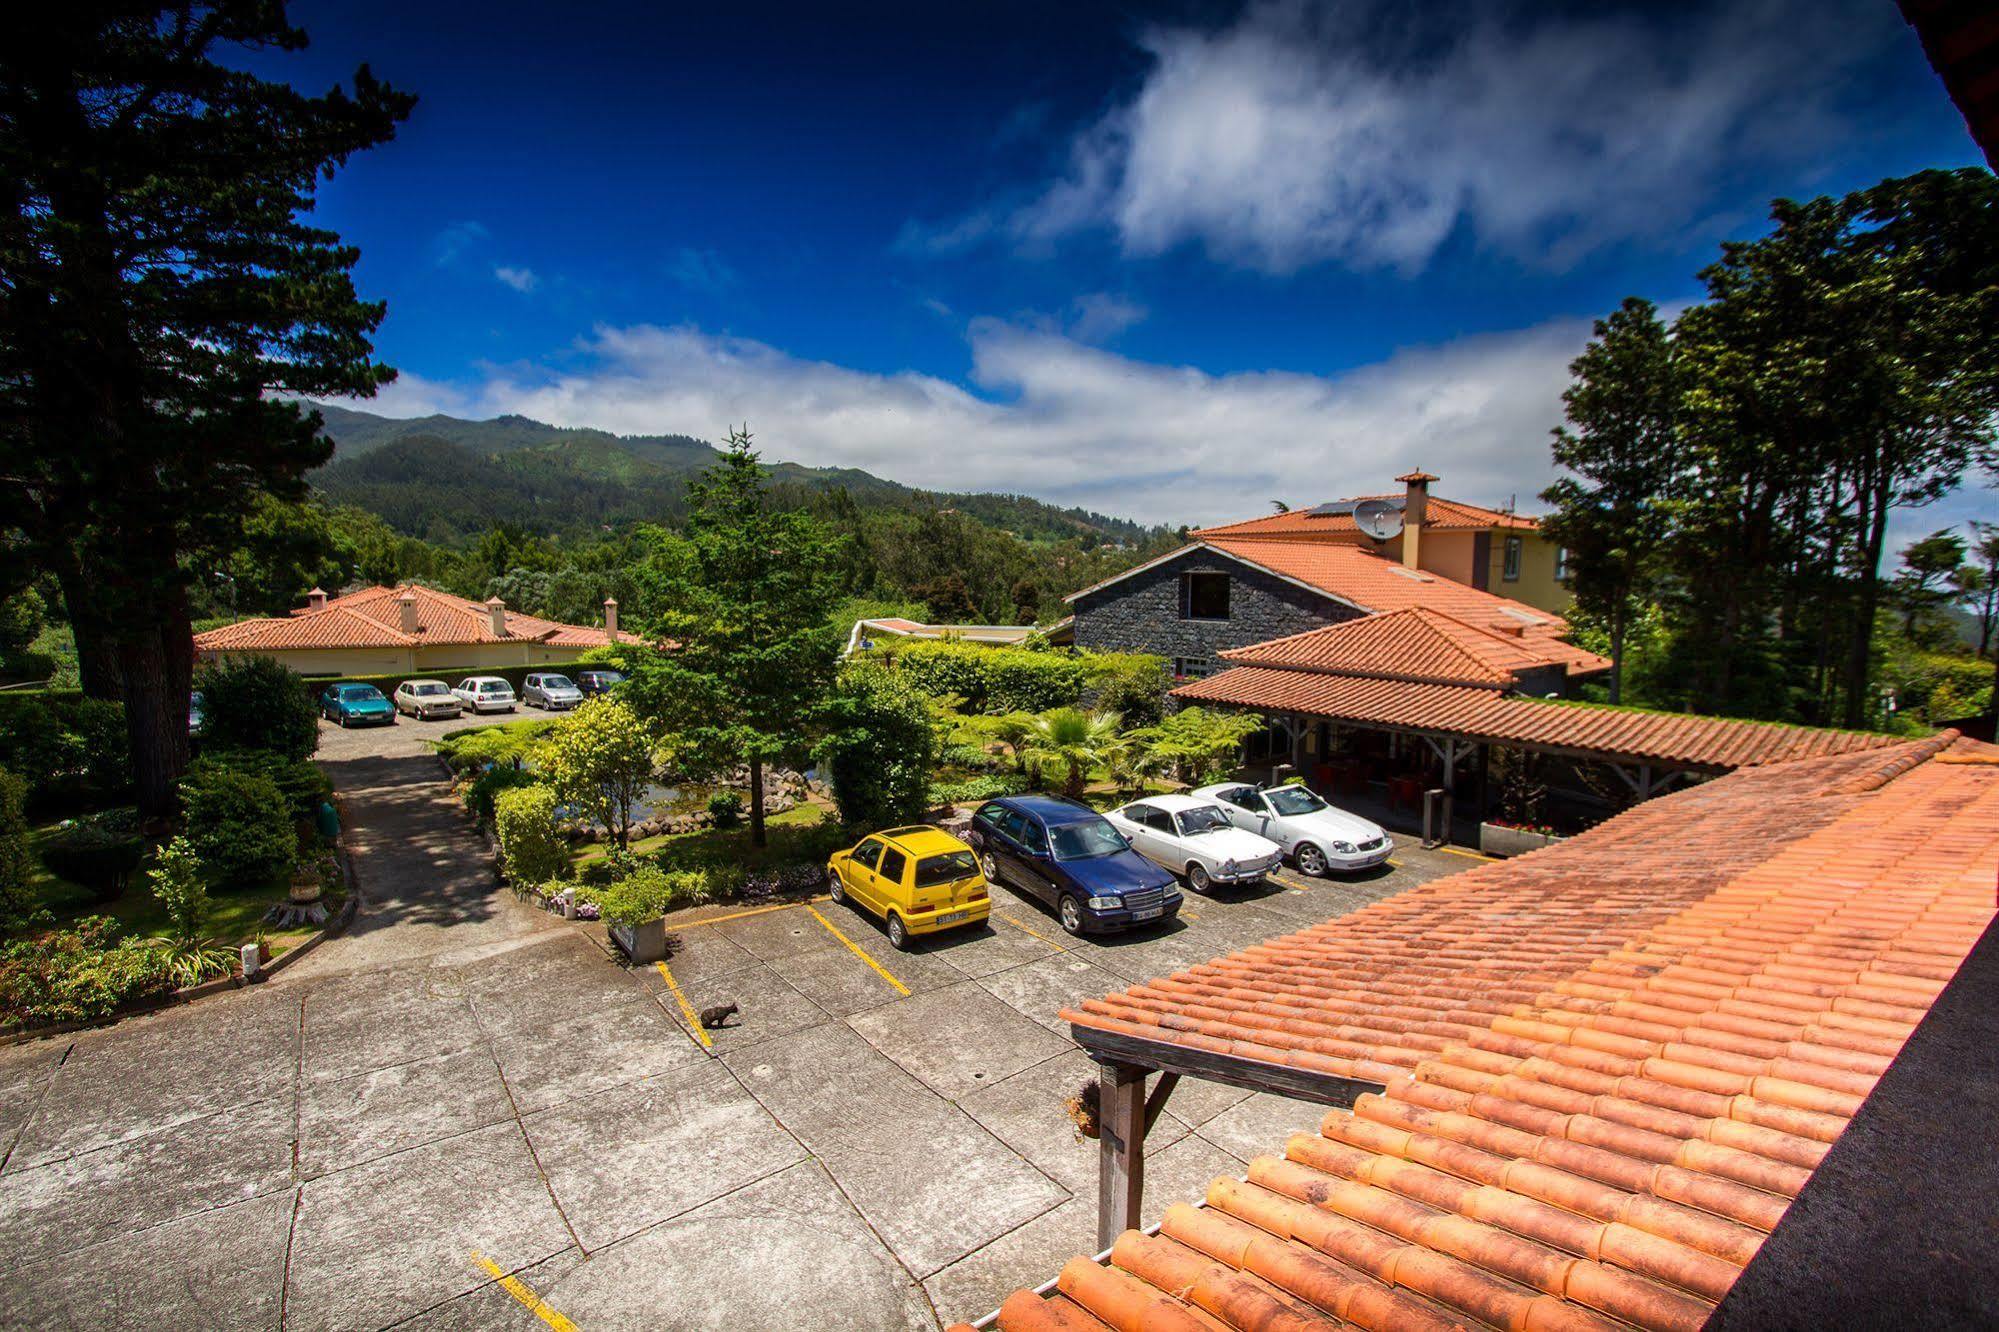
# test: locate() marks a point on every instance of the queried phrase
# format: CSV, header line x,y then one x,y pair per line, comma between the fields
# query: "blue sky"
x,y
1167,261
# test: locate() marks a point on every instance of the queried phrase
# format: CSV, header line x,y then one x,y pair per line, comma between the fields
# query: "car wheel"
x,y
836,889
1072,915
1197,878
1311,860
989,867
898,933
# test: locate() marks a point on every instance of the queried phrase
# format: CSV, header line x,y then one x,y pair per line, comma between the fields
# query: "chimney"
x,y
406,603
1415,512
498,610
611,618
316,599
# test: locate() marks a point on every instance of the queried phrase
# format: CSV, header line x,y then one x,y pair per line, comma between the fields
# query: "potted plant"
x,y
634,909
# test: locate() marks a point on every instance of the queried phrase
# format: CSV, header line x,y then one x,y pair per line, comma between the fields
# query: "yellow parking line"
x,y
1029,929
694,1027
521,1291
830,929
1468,855
753,911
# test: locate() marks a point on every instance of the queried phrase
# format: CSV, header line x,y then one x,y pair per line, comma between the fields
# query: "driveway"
x,y
465,1107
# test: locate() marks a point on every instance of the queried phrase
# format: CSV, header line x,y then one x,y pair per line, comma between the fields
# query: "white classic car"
x,y
1315,835
423,699
1195,838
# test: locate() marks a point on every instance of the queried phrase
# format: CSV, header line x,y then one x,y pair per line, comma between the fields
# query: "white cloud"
x,y
454,239
1365,135
520,279
701,270
1100,315
1068,422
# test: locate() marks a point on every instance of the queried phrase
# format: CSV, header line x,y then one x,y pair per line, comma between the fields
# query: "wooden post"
x,y
1120,1150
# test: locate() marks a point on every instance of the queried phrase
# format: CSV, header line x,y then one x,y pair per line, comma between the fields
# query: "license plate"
x,y
1148,913
952,917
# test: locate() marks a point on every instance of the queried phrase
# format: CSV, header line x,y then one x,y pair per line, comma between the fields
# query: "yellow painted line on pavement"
x,y
694,1027
879,968
1025,928
1468,855
753,911
521,1291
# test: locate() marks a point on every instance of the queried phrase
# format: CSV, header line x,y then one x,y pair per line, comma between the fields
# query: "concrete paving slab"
x,y
530,987
220,1268
89,1198
933,1183
591,1050
378,1243
1027,1256
1001,944
24,1079
701,952
360,1021
921,968
1042,989
345,1122
492,1308
172,1067
1261,1124
624,1159
1028,1113
1195,1101
767,1005
837,981
785,1252
776,934
957,1039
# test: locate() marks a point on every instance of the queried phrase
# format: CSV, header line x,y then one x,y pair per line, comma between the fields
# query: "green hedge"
x,y
513,675
993,679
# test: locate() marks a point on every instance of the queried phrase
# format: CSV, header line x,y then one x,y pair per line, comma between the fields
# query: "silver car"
x,y
549,690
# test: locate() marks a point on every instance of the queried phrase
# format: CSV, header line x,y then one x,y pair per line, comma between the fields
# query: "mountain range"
x,y
444,478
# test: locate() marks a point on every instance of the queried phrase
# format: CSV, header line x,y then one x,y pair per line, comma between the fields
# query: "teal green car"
x,y
356,705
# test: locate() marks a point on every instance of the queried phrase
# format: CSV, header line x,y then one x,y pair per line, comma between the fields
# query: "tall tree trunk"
x,y
156,663
756,801
96,656
1860,645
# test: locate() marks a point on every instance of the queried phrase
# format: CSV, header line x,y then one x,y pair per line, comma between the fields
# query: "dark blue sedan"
x,y
1067,855
357,705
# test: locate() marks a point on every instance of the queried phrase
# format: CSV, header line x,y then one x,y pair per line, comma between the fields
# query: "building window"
x,y
1510,571
1561,564
1192,668
1204,596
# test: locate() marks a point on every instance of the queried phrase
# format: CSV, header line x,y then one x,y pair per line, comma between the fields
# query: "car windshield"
x,y
1087,840
495,687
428,688
360,693
1202,818
1293,800
556,682
947,868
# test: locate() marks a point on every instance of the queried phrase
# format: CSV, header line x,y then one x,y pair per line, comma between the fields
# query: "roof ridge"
x,y
1896,763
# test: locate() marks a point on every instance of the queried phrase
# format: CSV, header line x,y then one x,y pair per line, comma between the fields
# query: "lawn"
x,y
730,844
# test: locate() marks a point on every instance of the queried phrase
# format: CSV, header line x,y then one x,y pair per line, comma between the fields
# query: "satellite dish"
x,y
1380,519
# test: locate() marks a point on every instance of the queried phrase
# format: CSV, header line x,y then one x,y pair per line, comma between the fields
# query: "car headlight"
x,y
1344,848
1229,865
1106,903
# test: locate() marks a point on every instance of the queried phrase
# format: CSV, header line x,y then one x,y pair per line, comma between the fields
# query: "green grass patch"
x,y
731,844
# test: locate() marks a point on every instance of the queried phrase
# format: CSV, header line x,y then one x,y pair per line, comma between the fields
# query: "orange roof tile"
x,y
1444,515
1606,1068
372,617
1418,643
1480,713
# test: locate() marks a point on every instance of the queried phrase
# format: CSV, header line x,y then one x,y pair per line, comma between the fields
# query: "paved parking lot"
x,y
466,1106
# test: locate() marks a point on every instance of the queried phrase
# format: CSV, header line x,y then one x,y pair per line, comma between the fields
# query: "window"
x,y
947,868
869,852
1145,816
892,864
1201,819
1561,564
1088,840
1032,837
1289,800
1193,668
1204,596
1244,797
1510,571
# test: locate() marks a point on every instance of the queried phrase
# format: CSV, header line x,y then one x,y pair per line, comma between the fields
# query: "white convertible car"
x,y
1315,835
1194,838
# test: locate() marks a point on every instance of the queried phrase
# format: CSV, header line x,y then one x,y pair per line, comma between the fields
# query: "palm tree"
x,y
1071,738
1012,731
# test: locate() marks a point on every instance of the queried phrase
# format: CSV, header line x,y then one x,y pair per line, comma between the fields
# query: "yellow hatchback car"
x,y
918,879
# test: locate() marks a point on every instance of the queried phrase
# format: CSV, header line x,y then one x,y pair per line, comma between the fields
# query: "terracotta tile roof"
x,y
1663,737
1606,1067
1444,515
1419,644
372,617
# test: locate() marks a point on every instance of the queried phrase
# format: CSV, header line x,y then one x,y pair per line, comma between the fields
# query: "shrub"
x,y
72,751
992,679
881,749
98,852
649,892
17,860
601,759
257,703
238,824
185,953
300,781
512,744
1194,742
482,790
986,786
968,756
1131,684
531,850
725,808
77,974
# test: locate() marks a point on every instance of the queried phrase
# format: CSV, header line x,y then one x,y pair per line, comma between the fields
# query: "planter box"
x,y
642,943
1495,840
